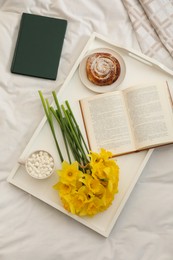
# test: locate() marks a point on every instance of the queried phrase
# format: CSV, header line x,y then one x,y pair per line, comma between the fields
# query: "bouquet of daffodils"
x,y
88,181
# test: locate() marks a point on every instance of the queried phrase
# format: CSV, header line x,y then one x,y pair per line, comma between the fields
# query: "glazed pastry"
x,y
102,68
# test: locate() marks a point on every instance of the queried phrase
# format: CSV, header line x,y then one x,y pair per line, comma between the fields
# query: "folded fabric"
x,y
160,13
153,23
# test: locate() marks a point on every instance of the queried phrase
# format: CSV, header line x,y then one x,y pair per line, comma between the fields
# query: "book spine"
x,y
17,43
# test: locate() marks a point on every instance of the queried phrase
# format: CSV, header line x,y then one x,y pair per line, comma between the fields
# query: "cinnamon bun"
x,y
102,68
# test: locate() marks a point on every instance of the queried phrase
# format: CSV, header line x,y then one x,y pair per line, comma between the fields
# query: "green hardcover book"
x,y
39,46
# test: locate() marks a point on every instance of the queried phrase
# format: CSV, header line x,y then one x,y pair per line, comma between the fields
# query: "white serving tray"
x,y
139,69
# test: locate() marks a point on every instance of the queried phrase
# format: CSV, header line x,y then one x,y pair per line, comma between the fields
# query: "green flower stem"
x,y
66,133
82,154
72,115
74,148
62,127
78,144
72,136
49,119
57,105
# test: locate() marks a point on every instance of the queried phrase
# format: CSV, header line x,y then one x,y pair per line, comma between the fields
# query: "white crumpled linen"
x,y
30,229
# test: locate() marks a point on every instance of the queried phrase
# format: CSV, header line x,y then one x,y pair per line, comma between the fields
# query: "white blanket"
x,y
30,229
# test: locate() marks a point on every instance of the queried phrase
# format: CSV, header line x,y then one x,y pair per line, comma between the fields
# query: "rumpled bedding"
x,y
152,21
30,229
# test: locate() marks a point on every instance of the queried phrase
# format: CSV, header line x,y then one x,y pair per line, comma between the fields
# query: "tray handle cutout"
x,y
141,59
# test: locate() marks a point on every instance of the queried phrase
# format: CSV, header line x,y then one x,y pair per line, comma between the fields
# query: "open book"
x,y
133,119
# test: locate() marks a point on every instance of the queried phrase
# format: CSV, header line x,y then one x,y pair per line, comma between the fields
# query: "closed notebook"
x,y
39,46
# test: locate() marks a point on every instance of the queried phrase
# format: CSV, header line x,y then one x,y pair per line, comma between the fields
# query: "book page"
x,y
106,123
151,114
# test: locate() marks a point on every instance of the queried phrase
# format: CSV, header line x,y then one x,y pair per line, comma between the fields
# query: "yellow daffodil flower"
x,y
92,191
63,188
70,172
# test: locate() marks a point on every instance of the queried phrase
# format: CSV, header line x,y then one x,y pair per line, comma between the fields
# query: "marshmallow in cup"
x,y
40,164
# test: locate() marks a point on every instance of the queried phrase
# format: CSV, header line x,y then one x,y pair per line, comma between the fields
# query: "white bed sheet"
x,y
30,229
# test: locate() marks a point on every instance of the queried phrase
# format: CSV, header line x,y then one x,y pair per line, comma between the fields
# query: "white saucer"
x,y
102,89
